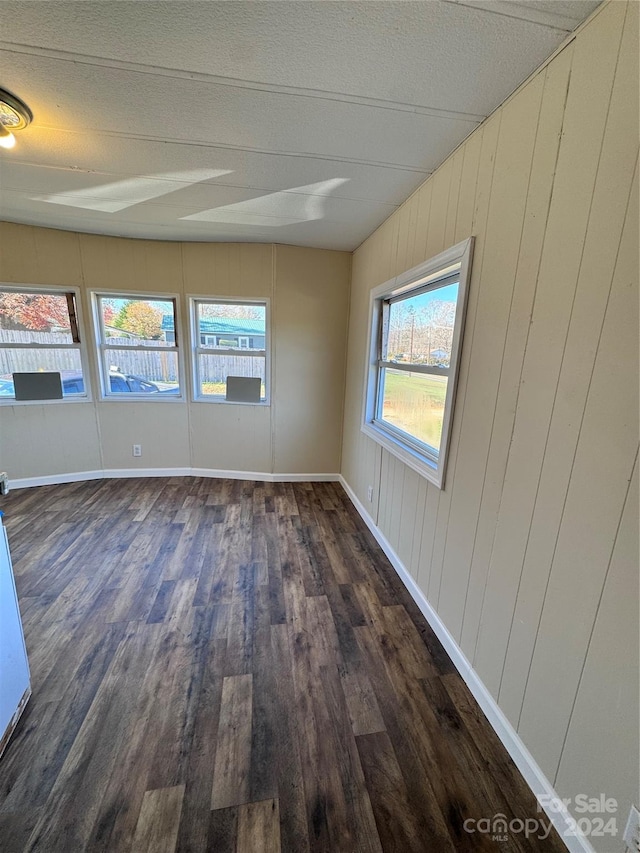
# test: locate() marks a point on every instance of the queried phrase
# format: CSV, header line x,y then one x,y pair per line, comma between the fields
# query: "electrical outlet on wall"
x,y
370,494
631,835
137,450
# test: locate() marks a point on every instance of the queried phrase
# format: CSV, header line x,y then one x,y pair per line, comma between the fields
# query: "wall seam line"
x,y
526,346
504,349
595,619
595,179
460,411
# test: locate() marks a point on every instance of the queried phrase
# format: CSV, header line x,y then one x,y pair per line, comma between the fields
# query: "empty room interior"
x,y
319,426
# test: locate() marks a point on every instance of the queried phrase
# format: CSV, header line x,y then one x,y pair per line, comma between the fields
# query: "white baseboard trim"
x,y
522,758
260,476
54,479
117,473
129,473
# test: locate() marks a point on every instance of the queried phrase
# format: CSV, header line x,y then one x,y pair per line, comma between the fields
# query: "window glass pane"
x,y
421,327
65,361
214,369
138,322
140,372
34,318
225,325
414,403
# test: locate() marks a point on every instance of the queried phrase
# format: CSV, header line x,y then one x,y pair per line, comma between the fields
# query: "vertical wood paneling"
x,y
412,248
615,178
254,268
504,228
465,215
53,442
376,470
468,181
388,248
39,256
605,713
538,199
396,501
457,162
606,450
402,253
578,159
308,338
158,265
422,225
481,207
416,532
107,265
513,552
408,501
427,537
438,212
385,492
353,445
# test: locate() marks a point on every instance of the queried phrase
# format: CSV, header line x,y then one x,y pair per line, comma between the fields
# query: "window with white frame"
x,y
39,333
137,339
416,324
230,350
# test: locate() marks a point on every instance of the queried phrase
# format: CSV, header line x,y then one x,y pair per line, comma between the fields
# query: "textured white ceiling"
x,y
293,122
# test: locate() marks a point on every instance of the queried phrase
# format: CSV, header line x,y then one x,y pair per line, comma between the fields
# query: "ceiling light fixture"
x,y
14,115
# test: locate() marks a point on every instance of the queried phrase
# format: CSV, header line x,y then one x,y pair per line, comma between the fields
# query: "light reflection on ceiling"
x,y
119,195
287,207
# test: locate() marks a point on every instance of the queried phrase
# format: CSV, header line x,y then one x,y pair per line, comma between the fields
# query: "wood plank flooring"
x,y
227,666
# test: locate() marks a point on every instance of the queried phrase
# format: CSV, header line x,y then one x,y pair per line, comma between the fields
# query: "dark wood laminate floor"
x,y
222,666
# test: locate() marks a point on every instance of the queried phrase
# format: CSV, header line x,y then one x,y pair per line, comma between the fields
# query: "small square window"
x,y
138,347
230,342
39,333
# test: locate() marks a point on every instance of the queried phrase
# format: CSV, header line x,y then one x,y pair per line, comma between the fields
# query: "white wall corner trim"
x,y
125,473
575,841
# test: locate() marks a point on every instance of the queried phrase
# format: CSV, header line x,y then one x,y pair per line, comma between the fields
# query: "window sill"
x,y
141,398
405,453
222,401
10,401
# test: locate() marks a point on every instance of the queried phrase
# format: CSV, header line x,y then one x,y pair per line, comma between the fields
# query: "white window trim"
x,y
131,397
197,349
456,260
57,290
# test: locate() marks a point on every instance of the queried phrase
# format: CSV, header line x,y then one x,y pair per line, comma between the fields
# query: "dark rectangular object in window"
x,y
37,386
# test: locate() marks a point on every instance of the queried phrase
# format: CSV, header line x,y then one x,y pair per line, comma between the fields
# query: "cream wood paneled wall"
x,y
530,554
310,326
300,432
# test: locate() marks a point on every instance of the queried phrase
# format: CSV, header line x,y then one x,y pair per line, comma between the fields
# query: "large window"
x,y
39,333
416,328
230,350
138,346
